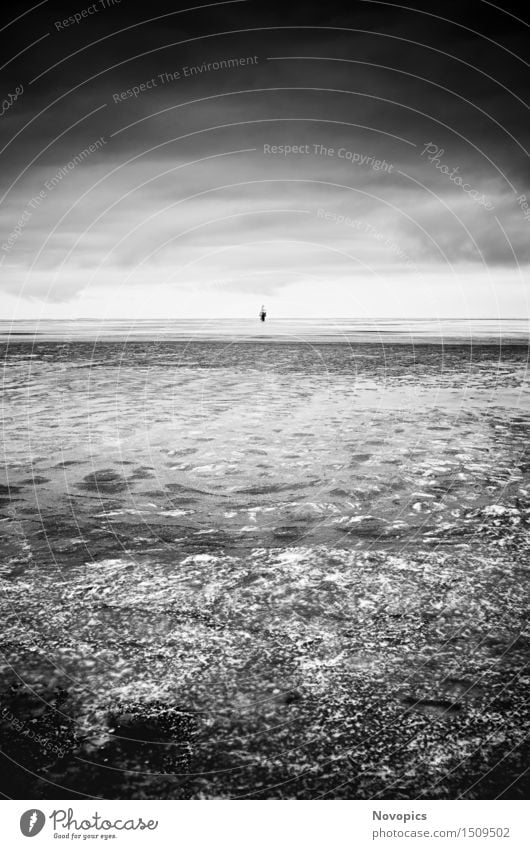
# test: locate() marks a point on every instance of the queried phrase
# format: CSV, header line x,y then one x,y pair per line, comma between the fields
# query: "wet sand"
x,y
264,569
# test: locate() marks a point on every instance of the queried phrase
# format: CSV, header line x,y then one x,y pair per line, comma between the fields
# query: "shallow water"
x,y
278,559
338,330
250,445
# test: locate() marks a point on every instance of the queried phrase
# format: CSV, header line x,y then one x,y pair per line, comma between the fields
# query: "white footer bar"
x,y
249,824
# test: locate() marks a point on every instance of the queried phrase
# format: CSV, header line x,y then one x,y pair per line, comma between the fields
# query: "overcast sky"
x,y
186,205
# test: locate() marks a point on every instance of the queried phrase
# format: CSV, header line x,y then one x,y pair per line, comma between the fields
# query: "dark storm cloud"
x,y
368,79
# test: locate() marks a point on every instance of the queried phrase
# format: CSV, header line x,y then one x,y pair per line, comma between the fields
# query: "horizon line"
x,y
277,318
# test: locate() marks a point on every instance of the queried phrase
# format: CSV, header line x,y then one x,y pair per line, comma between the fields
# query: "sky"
x,y
364,159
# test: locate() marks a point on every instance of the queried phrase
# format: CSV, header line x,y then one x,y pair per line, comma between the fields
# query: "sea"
x,y
265,556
